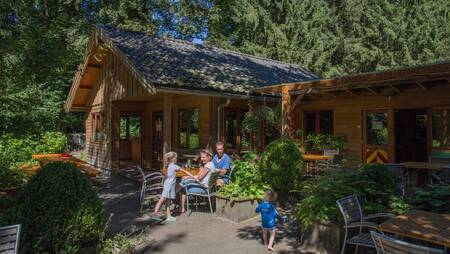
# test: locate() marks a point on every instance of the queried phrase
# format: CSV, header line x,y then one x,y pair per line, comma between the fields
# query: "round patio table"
x,y
311,160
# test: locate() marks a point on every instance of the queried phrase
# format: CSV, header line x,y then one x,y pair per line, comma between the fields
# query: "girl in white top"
x,y
168,193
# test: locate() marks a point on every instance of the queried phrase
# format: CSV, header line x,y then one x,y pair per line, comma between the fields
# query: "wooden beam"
x,y
371,90
313,96
167,123
394,88
286,109
350,92
421,86
297,101
331,94
97,66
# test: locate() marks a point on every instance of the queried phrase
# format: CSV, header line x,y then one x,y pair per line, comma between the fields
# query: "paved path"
x,y
199,233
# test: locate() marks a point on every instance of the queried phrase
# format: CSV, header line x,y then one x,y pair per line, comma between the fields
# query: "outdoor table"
x,y
425,226
423,168
311,160
193,171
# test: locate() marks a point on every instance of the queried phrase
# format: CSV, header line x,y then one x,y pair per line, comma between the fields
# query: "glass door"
x,y
378,136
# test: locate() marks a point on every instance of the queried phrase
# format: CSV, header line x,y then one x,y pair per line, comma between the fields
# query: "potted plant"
x,y
237,201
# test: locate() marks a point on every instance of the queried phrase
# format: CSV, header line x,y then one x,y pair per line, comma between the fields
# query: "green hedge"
x,y
282,165
59,210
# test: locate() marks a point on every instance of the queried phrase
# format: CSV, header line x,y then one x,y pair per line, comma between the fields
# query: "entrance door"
x,y
410,135
377,130
158,142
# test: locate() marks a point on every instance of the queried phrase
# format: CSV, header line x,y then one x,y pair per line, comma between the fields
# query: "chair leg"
x,y
356,249
187,203
344,243
210,206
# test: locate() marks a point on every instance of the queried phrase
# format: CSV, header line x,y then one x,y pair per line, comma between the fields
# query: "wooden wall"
x,y
348,111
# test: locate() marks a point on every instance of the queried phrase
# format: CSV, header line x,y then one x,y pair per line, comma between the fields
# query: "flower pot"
x,y
321,237
236,210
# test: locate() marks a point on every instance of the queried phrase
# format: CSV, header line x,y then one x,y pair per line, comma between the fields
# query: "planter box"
x,y
236,210
321,237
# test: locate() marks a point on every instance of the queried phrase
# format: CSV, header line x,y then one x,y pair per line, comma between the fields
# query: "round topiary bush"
x,y
282,165
59,210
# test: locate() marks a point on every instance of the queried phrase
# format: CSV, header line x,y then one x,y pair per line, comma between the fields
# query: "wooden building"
x,y
144,95
396,115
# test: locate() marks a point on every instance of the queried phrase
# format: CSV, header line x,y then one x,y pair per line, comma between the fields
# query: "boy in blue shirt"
x,y
269,218
222,163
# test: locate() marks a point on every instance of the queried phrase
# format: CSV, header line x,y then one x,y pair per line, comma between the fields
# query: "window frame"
x,y
317,121
96,126
431,133
189,112
237,136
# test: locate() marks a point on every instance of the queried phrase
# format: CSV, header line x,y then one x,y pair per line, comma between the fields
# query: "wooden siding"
x,y
348,111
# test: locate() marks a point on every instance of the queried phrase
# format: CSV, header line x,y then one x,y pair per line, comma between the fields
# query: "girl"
x,y
269,216
168,193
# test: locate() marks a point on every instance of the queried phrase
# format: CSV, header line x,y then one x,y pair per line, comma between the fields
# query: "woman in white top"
x,y
168,193
203,176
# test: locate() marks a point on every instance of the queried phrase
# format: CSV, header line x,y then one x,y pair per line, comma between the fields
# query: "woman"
x,y
206,168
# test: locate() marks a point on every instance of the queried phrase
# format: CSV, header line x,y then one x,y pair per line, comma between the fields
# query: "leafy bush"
x,y
282,165
373,184
437,199
59,211
320,142
52,142
119,244
247,182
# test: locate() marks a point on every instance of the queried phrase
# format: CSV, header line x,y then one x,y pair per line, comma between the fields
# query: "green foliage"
x,y
247,182
264,114
282,165
373,184
59,210
16,150
320,142
119,244
437,199
335,38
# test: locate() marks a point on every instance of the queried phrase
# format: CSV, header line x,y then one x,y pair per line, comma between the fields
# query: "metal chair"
x,y
209,189
442,177
9,239
354,219
401,179
387,245
152,186
327,166
228,176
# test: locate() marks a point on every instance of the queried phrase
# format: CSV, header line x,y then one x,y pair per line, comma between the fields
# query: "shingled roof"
x,y
171,63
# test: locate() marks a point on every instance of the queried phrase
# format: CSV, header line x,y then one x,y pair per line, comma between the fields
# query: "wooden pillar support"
x,y
287,118
167,132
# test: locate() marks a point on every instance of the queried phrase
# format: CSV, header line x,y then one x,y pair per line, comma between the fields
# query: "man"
x,y
222,163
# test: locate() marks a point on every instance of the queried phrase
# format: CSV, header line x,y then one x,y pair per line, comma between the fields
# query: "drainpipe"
x,y
218,117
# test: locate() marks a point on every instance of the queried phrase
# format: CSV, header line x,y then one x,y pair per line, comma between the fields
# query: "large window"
x,y
235,136
319,122
441,128
130,127
377,129
188,128
97,129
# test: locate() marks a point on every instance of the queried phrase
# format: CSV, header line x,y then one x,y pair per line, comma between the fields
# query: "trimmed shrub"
x,y
59,210
282,165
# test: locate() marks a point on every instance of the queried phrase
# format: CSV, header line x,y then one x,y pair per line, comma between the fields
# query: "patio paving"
x,y
199,233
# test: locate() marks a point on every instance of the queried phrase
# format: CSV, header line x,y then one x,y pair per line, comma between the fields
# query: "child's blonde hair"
x,y
168,157
269,196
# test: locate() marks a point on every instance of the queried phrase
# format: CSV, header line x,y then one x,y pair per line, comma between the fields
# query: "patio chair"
x,y
355,219
9,239
401,179
442,177
327,166
228,176
152,186
387,245
210,190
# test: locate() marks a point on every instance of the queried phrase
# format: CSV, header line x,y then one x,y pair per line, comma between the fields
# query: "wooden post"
x,y
287,119
167,123
115,137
